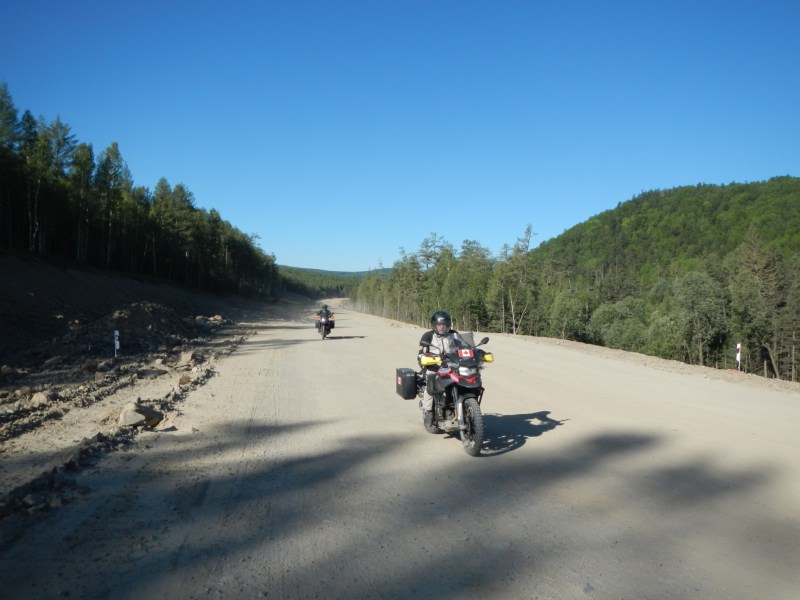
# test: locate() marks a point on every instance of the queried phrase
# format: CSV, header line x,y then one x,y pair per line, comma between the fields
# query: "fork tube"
x,y
459,409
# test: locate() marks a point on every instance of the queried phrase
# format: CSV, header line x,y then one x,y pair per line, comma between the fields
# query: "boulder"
x,y
187,359
38,400
136,415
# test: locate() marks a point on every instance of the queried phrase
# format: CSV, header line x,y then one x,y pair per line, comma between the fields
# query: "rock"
x,y
187,359
39,399
185,380
136,415
106,365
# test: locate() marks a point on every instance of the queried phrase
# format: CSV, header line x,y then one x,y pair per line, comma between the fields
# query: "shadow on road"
x,y
280,494
505,433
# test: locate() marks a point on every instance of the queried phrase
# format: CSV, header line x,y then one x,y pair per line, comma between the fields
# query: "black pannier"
x,y
406,383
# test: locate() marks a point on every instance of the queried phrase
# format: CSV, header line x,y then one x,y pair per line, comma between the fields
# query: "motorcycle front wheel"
x,y
472,436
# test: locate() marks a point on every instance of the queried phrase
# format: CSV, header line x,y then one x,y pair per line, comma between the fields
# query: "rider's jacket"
x,y
440,344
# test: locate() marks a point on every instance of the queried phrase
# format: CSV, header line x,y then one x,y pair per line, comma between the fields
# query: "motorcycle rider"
x,y
323,312
440,340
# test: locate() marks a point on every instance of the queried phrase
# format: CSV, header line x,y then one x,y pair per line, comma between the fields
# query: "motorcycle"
x,y
457,390
325,324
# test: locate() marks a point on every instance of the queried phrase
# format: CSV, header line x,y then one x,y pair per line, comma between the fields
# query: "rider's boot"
x,y
427,420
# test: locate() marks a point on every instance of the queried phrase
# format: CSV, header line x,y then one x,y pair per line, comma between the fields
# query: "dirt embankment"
x,y
76,348
42,302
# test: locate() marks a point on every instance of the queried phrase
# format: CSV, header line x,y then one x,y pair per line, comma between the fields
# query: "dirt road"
x,y
297,472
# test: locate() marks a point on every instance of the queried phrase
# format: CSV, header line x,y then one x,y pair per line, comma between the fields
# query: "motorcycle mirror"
x,y
425,344
484,341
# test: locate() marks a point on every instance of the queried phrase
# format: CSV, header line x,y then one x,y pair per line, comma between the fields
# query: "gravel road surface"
x,y
297,472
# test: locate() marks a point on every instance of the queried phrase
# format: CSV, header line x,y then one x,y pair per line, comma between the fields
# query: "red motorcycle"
x,y
456,388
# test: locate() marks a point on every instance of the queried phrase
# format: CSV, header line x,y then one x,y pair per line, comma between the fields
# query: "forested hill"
x,y
684,274
662,233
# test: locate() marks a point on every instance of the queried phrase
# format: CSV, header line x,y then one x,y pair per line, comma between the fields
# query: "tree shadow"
x,y
250,346
266,326
505,433
384,546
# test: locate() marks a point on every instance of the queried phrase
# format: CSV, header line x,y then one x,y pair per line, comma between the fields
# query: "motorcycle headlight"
x,y
467,371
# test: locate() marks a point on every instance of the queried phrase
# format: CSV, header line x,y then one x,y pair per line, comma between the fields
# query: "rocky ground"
x,y
67,395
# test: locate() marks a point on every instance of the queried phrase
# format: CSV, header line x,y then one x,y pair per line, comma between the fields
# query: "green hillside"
x,y
671,232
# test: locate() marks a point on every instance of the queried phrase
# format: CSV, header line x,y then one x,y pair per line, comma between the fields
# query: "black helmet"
x,y
438,318
325,306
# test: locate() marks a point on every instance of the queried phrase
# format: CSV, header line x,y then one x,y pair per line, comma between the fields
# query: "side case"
x,y
406,383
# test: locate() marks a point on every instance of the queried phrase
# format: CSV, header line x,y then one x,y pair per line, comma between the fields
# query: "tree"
x,y
702,313
9,126
567,317
38,145
665,338
512,292
466,285
62,143
788,319
755,282
111,177
81,176
9,165
620,324
429,250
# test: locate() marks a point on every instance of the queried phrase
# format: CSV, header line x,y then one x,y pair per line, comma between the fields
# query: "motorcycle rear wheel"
x,y
472,436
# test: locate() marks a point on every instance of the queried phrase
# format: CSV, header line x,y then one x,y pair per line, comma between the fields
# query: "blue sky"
x,y
340,132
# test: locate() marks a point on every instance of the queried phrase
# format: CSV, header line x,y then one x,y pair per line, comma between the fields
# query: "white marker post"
x,y
739,357
116,342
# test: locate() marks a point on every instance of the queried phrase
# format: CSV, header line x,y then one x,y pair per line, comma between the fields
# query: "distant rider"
x,y
323,312
440,340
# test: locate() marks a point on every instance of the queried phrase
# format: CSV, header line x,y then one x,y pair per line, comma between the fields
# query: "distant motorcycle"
x,y
324,324
456,388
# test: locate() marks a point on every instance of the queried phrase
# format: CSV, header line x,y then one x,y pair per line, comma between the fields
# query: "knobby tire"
x,y
472,437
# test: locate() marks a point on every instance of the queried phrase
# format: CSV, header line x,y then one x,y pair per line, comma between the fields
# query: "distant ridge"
x,y
355,274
